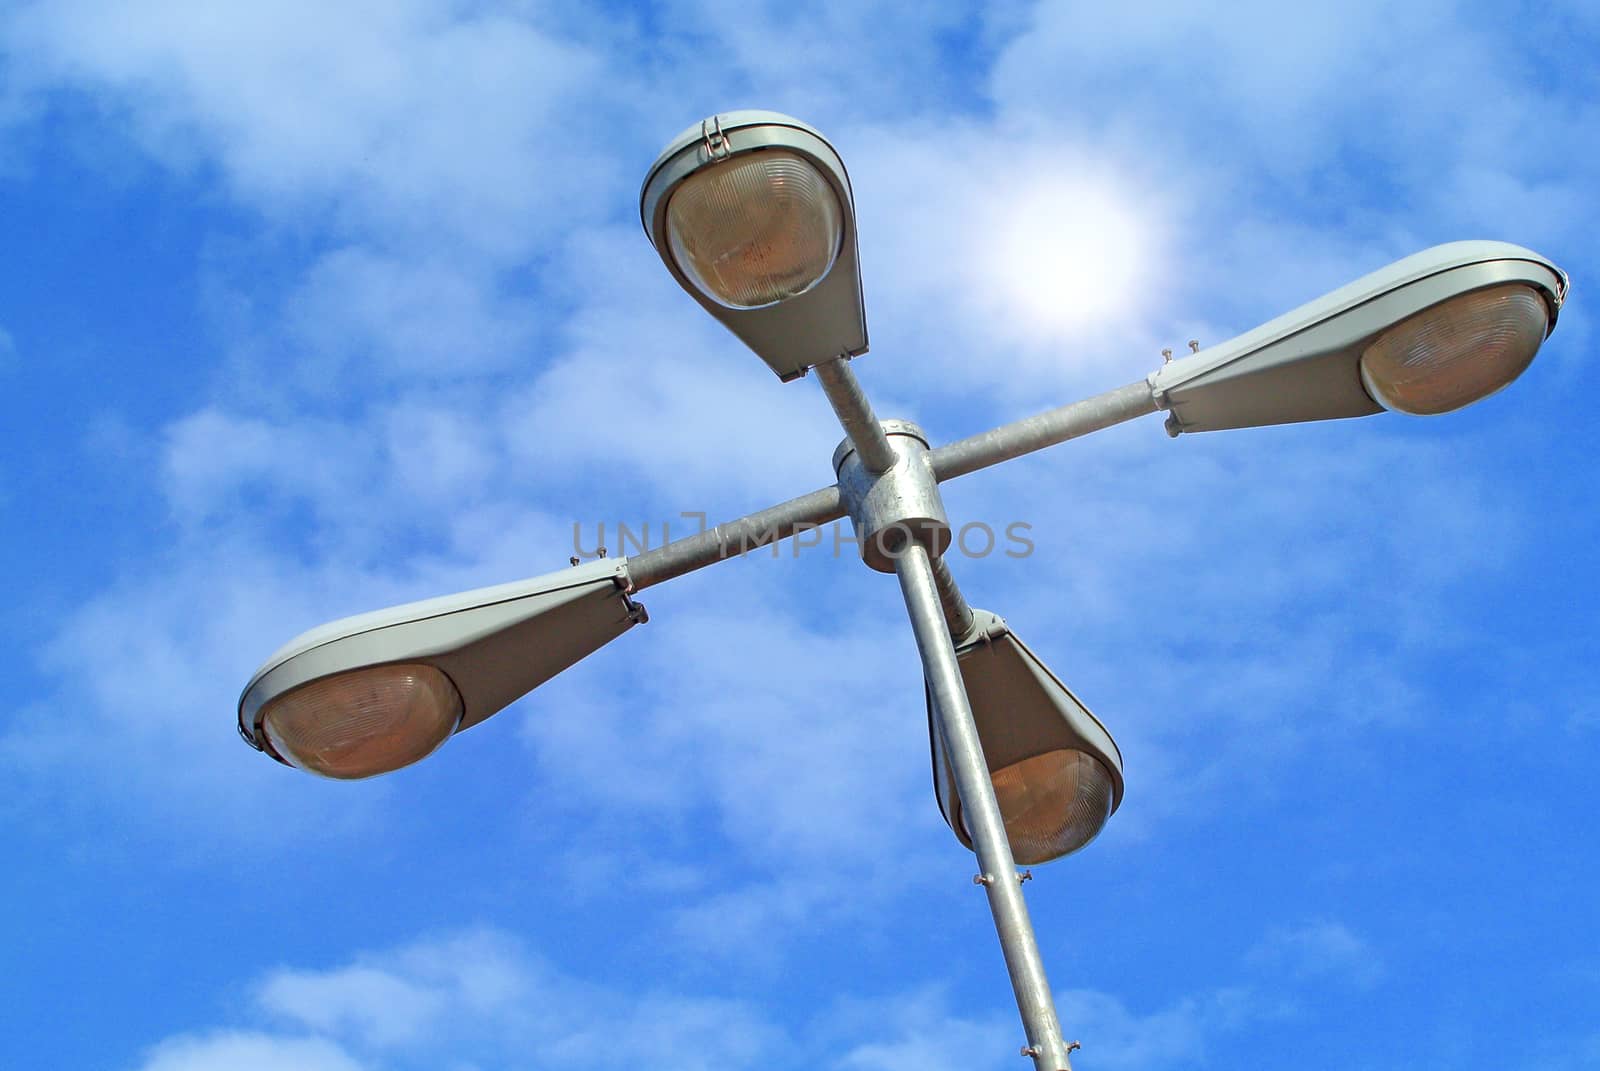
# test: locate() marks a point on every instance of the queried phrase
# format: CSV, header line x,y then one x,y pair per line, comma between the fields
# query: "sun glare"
x,y
1064,256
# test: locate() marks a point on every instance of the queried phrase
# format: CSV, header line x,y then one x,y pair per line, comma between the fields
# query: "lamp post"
x,y
752,213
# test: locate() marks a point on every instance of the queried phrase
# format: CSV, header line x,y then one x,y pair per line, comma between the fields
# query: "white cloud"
x,y
404,998
823,61
397,317
1251,74
921,1030
759,924
217,463
431,121
478,999
1179,1035
768,740
1321,950
371,1004
245,1051
1282,114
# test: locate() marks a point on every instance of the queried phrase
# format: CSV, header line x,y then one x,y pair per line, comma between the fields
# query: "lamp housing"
x,y
1415,318
751,211
372,693
1056,771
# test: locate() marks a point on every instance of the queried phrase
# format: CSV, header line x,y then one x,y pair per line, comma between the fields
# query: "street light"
x,y
1428,334
369,694
752,214
1057,773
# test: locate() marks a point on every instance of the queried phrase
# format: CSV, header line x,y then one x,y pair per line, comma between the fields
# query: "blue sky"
x,y
312,308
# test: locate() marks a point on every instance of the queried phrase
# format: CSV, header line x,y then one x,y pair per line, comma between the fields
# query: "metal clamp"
x,y
713,138
1034,1050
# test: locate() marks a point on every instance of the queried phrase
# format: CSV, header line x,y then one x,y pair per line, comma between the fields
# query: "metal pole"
x,y
1046,429
957,614
998,869
735,537
854,411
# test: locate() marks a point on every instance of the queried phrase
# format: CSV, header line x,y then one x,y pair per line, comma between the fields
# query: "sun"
x,y
1062,254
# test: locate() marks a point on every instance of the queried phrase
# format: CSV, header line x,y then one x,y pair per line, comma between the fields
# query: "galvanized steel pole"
x,y
957,614
734,538
1046,429
855,414
998,870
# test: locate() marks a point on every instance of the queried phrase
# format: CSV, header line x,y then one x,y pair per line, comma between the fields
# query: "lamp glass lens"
x,y
756,228
365,722
1053,804
1457,352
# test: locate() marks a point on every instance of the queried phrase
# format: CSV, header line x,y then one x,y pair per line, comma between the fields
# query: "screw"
x,y
1026,875
983,879
1194,345
1166,355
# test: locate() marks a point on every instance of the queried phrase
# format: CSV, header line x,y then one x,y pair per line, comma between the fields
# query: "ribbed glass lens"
x,y
1053,803
1457,352
365,722
755,229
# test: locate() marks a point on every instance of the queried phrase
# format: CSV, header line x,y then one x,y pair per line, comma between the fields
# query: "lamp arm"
x,y
734,538
855,414
1046,429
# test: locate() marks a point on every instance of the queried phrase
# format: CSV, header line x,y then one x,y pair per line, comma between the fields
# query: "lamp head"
x,y
752,213
372,693
1056,771
1428,334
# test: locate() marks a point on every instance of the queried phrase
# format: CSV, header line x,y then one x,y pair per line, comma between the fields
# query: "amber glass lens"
x,y
755,229
365,722
1457,352
1053,803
